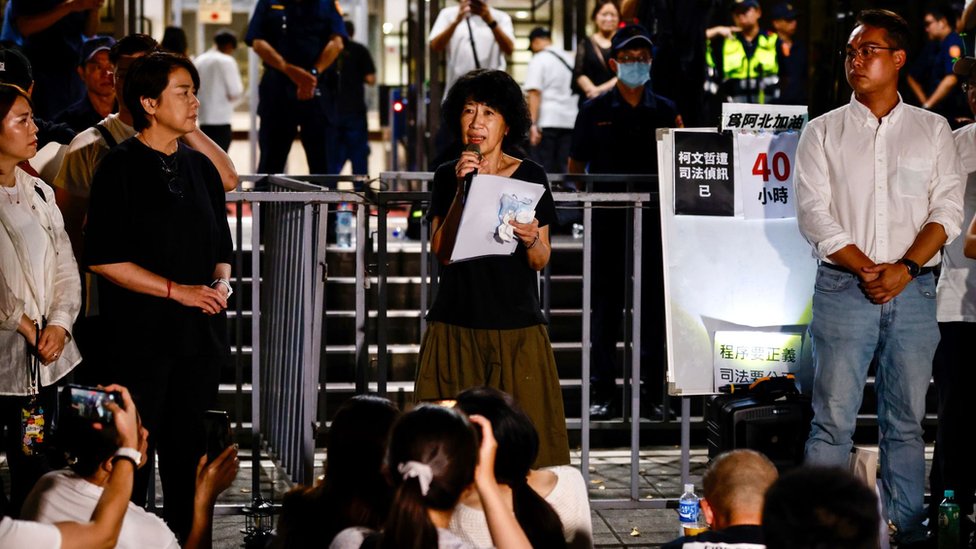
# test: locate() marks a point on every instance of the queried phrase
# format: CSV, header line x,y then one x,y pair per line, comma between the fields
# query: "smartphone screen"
x,y
89,402
216,426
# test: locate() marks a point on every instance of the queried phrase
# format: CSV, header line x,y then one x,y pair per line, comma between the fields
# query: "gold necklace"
x,y
10,195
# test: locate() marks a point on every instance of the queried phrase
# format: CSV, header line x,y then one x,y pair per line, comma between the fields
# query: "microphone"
x,y
472,147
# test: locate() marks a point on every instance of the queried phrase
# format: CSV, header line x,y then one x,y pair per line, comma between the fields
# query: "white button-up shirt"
x,y
876,184
220,86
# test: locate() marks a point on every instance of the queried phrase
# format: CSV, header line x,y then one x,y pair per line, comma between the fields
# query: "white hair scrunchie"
x,y
421,471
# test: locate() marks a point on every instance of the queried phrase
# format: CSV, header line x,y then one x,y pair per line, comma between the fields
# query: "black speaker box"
x,y
776,427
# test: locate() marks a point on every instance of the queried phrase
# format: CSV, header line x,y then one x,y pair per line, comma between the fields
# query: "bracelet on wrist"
x,y
534,242
169,288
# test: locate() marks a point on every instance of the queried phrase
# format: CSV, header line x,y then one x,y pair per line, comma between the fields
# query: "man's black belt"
x,y
838,268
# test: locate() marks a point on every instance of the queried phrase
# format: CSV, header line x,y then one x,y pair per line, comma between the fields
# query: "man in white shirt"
x,y
475,36
483,40
879,191
220,87
70,495
552,104
952,368
101,526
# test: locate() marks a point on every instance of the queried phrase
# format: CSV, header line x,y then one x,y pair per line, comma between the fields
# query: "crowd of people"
x,y
121,274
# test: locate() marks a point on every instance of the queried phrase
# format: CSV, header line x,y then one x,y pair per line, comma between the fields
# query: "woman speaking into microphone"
x,y
486,326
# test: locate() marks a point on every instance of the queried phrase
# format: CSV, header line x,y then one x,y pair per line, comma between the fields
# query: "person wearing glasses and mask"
x,y
879,191
158,239
614,133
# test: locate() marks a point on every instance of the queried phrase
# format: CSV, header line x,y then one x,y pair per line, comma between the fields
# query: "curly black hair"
x,y
499,91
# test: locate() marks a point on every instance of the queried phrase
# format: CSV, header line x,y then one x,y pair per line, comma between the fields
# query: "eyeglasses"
x,y
171,173
968,87
864,52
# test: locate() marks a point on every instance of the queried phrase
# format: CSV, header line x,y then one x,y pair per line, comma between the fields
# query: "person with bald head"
x,y
735,485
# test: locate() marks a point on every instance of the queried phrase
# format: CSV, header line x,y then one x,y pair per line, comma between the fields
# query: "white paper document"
x,y
489,199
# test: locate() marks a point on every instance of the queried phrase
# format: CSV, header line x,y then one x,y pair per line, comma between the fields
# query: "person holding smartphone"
x,y
474,35
99,528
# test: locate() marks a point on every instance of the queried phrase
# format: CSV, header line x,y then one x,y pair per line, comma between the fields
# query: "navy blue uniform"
x,y
613,137
933,64
298,30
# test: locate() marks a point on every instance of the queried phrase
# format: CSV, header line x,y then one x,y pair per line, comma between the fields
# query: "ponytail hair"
x,y
431,459
518,446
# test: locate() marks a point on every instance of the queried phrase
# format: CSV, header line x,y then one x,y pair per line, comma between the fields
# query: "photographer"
x,y
101,527
70,494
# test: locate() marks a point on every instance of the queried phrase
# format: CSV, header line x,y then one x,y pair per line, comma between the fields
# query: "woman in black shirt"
x,y
592,76
157,236
486,326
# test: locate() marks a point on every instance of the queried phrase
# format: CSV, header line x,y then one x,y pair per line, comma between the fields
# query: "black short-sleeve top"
x,y
495,292
173,227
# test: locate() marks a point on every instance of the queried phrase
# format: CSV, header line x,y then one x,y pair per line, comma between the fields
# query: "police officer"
x,y
297,40
742,65
615,134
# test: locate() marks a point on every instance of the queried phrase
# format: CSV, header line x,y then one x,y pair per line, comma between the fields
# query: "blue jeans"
x,y
847,332
349,140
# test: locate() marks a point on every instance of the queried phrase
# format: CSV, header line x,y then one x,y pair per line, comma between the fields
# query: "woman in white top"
x,y
551,504
40,290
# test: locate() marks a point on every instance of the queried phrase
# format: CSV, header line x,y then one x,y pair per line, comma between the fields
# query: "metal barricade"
x,y
287,300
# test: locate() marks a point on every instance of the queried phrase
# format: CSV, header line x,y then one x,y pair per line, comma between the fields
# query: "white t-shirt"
x,y
63,496
22,533
547,74
957,286
84,154
220,86
568,498
460,58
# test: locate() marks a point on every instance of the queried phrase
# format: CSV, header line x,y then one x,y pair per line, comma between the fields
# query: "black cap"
x,y
631,36
783,11
15,69
538,32
93,46
742,5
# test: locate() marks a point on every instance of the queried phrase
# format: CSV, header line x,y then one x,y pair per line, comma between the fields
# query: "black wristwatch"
x,y
493,24
913,268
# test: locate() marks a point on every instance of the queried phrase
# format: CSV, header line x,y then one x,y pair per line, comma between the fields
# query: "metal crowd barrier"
x,y
287,298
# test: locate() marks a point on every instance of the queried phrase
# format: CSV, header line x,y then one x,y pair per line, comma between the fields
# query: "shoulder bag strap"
x,y
106,135
477,63
561,60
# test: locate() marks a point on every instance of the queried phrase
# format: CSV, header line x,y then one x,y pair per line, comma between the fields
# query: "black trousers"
x,y
952,463
171,394
552,152
24,470
610,276
283,117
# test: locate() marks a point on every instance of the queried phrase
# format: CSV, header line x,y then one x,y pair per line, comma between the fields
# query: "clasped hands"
x,y
882,282
209,300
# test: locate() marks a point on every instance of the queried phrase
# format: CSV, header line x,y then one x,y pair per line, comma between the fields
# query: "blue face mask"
x,y
634,75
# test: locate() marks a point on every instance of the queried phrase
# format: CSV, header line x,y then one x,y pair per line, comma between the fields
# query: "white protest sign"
x,y
743,357
765,167
748,116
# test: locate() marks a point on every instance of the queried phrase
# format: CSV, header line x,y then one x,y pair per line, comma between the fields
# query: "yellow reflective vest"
x,y
741,78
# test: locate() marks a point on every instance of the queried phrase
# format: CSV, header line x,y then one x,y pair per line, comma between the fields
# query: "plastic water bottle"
x,y
688,511
949,522
344,233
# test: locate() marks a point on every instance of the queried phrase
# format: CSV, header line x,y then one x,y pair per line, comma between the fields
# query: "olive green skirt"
x,y
519,362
